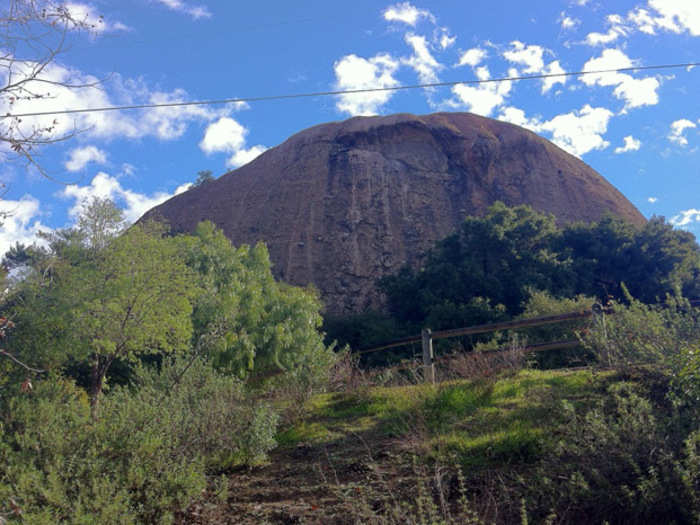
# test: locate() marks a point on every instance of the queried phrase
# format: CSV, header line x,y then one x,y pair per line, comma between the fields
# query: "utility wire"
x,y
347,92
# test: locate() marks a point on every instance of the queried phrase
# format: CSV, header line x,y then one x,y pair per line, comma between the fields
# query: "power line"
x,y
348,92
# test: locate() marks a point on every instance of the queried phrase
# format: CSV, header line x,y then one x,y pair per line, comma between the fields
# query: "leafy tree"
x,y
249,323
490,261
203,177
492,265
80,305
101,221
132,299
18,255
652,261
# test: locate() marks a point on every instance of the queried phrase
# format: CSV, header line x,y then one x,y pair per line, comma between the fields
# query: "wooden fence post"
x,y
599,321
428,357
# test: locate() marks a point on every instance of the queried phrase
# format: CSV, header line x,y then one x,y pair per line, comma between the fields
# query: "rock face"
x,y
341,204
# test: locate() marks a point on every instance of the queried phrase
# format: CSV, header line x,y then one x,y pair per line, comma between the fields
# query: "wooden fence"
x,y
427,336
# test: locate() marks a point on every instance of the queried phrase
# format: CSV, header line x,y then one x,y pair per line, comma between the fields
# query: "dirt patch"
x,y
305,484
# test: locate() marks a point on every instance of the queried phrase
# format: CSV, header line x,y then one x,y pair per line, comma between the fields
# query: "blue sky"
x,y
640,130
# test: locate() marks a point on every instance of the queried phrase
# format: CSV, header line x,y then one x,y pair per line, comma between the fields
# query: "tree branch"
x,y
20,363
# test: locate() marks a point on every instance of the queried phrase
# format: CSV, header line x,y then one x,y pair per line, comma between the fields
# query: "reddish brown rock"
x,y
342,204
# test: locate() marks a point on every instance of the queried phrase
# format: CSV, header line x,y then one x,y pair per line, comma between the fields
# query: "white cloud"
x,y
529,56
635,92
617,30
676,16
81,157
195,12
631,144
228,136
105,186
166,123
22,224
532,57
678,127
652,200
406,13
86,16
244,156
481,99
643,20
517,116
684,218
553,68
446,40
422,61
472,57
577,132
353,72
566,22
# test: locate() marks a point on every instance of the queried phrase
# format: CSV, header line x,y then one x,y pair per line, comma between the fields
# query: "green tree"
x,y
491,266
203,177
80,305
490,261
651,261
132,299
250,324
101,221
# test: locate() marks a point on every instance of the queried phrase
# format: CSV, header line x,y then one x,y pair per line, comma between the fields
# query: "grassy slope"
x,y
480,423
364,444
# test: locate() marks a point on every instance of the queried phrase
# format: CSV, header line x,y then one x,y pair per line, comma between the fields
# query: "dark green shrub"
x,y
637,333
625,461
542,304
144,459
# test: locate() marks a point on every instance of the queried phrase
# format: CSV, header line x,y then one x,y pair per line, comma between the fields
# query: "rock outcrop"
x,y
341,204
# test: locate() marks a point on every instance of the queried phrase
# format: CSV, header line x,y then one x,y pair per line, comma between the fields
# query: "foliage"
x,y
144,460
624,461
100,222
639,333
361,330
364,330
203,177
251,325
131,299
118,299
543,304
516,262
223,335
382,504
495,260
652,261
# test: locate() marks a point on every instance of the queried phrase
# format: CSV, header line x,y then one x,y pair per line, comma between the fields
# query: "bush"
x,y
645,334
542,304
145,458
625,461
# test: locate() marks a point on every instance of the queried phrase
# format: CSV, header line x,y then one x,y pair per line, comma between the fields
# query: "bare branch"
x,y
20,363
33,33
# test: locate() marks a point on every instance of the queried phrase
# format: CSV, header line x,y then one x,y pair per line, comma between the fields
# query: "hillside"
x,y
341,204
356,454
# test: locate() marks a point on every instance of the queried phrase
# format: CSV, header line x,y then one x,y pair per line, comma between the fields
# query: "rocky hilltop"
x,y
342,204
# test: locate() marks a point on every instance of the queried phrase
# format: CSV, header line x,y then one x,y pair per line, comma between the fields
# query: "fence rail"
x,y
427,336
482,329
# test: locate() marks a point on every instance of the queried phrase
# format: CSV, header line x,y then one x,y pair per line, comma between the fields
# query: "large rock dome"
x,y
341,204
